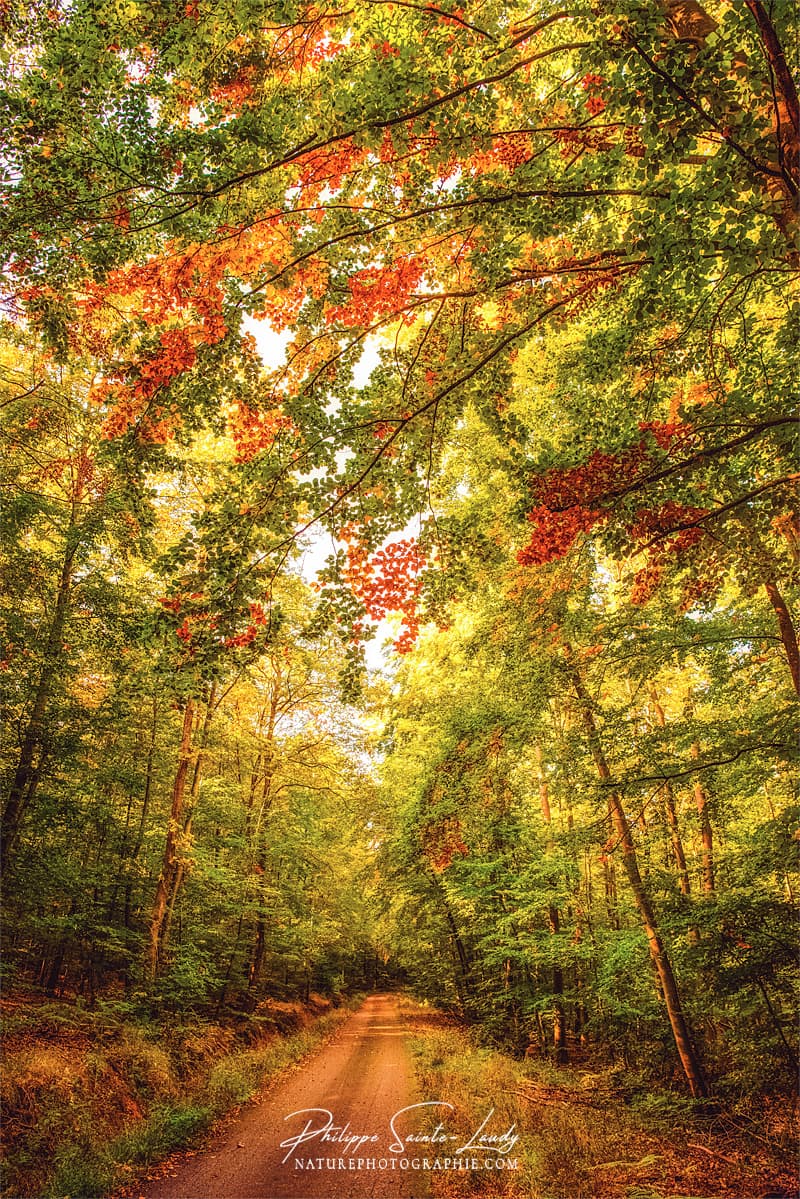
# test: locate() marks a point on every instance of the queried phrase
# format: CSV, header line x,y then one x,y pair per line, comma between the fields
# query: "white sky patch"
x,y
448,183
369,359
318,544
271,345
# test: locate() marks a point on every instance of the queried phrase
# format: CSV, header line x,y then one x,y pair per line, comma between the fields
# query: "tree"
x,y
532,274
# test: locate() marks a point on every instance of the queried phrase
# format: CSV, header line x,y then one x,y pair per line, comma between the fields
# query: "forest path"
x,y
362,1078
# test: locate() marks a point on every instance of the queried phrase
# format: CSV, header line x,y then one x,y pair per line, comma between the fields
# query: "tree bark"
x,y
174,827
460,953
27,773
179,869
676,840
610,891
148,788
787,108
787,631
560,1052
267,754
658,954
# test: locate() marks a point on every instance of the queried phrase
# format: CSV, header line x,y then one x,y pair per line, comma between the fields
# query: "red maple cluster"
x,y
555,532
258,618
387,581
182,290
669,518
661,532
594,102
672,435
328,166
379,291
198,621
254,431
234,93
574,500
507,151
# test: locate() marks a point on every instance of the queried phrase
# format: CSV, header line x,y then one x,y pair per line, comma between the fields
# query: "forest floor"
x,y
600,1134
92,1097
88,1105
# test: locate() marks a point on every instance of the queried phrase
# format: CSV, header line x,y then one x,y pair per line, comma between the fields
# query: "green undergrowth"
x,y
589,1135
88,1099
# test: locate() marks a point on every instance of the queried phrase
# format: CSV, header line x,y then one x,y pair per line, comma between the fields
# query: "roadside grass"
x,y
450,1067
583,1136
99,1100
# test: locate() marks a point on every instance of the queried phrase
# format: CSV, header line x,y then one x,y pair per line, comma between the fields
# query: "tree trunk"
x,y
676,840
27,773
179,870
706,832
170,847
610,890
658,954
560,1053
461,956
786,118
148,788
54,973
229,971
787,631
267,754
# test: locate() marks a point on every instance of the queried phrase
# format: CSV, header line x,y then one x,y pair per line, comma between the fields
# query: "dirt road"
x,y
358,1083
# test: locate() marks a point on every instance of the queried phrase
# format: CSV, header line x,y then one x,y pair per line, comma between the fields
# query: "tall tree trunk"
x,y
560,1053
28,771
787,631
791,1056
676,840
460,953
610,890
57,961
706,832
148,789
786,627
267,754
658,954
226,980
174,828
179,870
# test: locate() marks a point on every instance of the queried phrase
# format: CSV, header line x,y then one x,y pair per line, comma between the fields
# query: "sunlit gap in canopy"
x,y
273,344
317,544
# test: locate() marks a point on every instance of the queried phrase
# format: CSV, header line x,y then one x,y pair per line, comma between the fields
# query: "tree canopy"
x,y
531,273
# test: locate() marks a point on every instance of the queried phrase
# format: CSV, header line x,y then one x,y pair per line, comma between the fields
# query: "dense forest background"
x,y
466,327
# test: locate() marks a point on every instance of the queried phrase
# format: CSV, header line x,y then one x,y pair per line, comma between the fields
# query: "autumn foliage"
x,y
387,581
285,283
578,499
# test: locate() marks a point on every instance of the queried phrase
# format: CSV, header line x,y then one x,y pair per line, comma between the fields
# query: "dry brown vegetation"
x,y
89,1097
591,1135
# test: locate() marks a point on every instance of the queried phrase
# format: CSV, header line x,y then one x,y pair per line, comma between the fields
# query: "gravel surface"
x,y
359,1081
